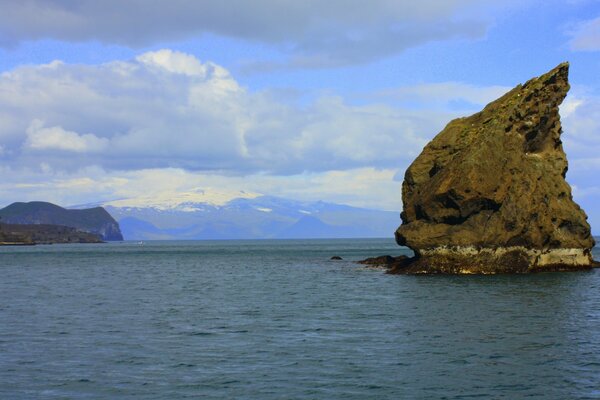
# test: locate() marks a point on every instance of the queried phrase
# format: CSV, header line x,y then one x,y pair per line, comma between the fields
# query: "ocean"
x,y
280,320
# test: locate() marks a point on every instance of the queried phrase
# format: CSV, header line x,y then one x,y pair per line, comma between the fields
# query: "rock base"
x,y
470,260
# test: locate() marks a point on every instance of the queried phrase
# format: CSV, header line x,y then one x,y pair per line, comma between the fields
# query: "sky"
x,y
301,99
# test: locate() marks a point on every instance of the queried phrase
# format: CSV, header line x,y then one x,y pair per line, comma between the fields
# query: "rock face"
x,y
488,193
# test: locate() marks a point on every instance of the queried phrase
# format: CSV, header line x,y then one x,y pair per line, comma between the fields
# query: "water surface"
x,y
279,320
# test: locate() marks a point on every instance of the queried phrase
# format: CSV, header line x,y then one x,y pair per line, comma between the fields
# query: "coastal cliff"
x,y
488,194
93,220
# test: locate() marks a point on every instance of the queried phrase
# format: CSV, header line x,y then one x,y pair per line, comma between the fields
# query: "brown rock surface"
x,y
488,193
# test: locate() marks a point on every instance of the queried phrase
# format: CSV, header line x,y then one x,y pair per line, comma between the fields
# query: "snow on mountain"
x,y
192,201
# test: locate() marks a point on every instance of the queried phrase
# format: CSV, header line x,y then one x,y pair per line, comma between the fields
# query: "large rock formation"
x,y
488,193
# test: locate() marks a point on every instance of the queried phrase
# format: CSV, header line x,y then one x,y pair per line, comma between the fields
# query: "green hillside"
x,y
15,234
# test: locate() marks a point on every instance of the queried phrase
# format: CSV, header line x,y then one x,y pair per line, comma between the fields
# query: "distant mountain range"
x,y
93,220
209,214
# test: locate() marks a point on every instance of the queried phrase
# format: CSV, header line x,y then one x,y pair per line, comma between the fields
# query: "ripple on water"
x,y
277,319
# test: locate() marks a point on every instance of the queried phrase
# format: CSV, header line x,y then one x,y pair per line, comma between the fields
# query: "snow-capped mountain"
x,y
195,200
210,214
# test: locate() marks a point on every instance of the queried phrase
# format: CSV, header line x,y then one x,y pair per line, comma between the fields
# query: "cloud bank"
x,y
167,109
167,121
315,33
362,187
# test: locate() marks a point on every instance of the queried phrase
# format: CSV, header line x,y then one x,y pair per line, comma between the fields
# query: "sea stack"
x,y
488,194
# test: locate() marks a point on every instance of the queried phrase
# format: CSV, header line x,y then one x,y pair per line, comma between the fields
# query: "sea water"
x,y
280,320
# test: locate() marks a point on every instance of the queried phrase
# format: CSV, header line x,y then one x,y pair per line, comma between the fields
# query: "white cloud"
x,y
585,36
313,33
362,187
173,61
168,109
56,138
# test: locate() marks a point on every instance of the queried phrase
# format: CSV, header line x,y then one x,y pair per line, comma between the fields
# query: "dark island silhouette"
x,y
39,222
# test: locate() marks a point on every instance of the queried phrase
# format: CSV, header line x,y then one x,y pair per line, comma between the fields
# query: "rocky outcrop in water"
x,y
488,193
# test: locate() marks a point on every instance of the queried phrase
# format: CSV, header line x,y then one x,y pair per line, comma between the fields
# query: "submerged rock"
x,y
386,261
488,193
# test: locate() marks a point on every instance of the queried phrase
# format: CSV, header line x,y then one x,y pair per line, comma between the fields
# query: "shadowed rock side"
x,y
488,193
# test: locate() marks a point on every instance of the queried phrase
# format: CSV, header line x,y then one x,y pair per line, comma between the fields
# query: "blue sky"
x,y
309,100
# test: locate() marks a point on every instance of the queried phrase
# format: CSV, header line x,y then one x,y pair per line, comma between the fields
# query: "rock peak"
x,y
488,193
560,72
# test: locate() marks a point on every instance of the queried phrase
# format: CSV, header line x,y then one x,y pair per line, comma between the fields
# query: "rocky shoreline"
x,y
404,265
32,234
